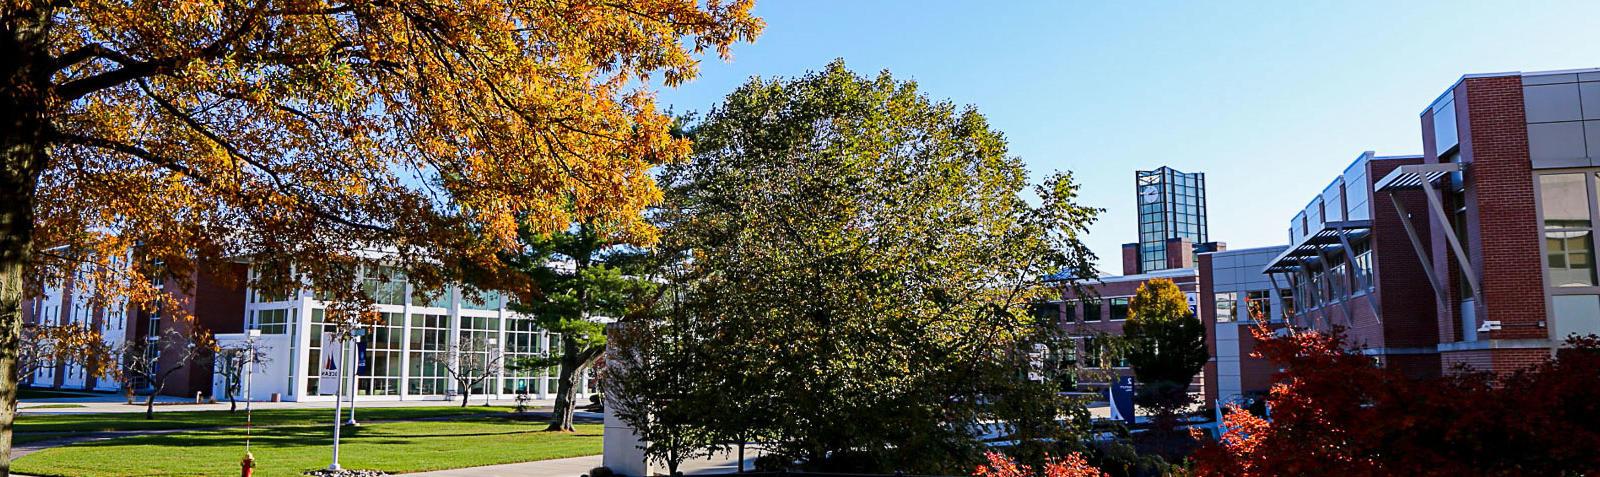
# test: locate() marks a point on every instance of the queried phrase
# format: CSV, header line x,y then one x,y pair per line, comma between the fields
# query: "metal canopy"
x,y
1422,177
1413,176
1332,236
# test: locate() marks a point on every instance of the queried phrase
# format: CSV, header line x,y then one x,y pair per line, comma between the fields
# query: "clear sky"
x,y
1270,99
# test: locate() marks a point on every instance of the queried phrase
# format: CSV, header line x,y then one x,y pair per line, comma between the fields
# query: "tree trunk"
x,y
466,392
573,360
150,404
24,87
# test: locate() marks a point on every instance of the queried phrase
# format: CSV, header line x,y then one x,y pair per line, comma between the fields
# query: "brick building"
x,y
1351,264
1509,177
215,305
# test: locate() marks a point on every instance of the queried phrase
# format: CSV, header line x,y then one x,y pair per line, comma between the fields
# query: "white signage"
x,y
330,365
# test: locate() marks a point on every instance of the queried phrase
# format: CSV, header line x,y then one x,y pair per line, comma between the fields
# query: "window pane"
x,y
1565,200
1568,259
1119,308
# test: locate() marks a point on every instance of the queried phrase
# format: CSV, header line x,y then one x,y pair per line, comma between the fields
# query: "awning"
x,y
1413,176
1325,240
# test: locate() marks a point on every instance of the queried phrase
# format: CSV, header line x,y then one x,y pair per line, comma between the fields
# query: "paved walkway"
x,y
576,466
100,403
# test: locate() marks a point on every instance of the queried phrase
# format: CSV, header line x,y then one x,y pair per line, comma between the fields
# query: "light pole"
x,y
355,371
494,361
338,402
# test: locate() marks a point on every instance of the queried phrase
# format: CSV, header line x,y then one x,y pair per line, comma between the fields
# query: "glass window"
x,y
1091,310
1565,201
1258,303
1286,297
1568,233
1575,314
1119,309
274,322
386,285
383,357
1071,312
1046,311
485,300
430,343
1226,307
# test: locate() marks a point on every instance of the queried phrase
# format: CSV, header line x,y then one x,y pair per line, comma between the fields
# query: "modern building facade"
x,y
1172,221
1509,175
1234,297
407,351
1350,264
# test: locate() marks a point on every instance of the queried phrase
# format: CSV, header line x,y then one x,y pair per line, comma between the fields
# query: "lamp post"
x,y
494,353
355,371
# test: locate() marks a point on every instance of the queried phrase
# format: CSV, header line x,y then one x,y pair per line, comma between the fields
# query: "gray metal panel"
x,y
1549,79
1553,145
1592,132
1550,103
1590,92
1589,76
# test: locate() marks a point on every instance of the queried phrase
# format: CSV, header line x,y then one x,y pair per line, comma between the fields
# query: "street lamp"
x,y
355,371
494,350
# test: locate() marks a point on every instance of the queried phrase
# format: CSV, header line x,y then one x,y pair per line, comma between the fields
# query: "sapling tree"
x,y
148,363
470,363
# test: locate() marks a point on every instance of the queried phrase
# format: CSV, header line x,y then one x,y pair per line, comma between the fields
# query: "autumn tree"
x,y
580,277
1165,345
876,253
294,132
1335,412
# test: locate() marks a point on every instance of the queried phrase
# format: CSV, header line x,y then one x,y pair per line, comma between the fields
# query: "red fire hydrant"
x,y
248,465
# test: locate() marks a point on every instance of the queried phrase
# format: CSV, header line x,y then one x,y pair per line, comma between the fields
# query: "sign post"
x,y
1121,396
328,377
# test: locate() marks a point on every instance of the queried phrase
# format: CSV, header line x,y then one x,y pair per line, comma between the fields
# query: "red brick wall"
x,y
1506,232
1405,297
1130,259
1208,317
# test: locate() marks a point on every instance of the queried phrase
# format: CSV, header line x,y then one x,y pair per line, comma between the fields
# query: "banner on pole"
x,y
330,365
361,359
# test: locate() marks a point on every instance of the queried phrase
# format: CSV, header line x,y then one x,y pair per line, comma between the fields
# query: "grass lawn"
x,y
202,419
290,450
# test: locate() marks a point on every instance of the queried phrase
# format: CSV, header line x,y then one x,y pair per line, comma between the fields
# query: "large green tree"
x,y
294,132
1165,344
873,253
581,277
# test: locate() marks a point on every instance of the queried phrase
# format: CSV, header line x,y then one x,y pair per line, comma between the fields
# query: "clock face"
x,y
1150,193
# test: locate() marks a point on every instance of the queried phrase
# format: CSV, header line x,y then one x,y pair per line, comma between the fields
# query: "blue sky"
x,y
1270,100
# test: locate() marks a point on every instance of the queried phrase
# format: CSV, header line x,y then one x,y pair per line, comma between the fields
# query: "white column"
x,y
302,349
500,346
405,345
454,334
544,379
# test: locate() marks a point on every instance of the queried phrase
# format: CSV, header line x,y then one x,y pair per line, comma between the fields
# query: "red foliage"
x,y
1334,412
1073,465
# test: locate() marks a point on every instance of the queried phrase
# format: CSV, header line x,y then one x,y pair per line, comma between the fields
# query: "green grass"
x,y
202,419
290,450
56,406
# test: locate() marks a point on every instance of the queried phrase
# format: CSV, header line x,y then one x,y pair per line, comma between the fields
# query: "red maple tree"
x,y
1335,412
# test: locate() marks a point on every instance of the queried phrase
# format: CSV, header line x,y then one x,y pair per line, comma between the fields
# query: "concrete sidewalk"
x,y
116,403
576,466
